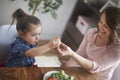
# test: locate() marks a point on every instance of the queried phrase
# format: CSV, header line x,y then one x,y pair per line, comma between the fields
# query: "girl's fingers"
x,y
56,42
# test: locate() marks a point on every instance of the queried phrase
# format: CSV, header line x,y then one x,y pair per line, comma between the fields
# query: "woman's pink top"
x,y
105,58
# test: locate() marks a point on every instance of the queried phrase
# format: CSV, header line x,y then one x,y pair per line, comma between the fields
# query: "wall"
x,y
50,27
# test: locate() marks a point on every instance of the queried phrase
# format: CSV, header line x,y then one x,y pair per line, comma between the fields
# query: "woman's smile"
x,y
101,34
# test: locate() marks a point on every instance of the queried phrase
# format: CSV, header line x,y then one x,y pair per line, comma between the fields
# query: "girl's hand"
x,y
54,43
64,50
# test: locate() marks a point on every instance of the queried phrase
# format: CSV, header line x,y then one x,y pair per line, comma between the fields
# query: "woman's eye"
x,y
106,26
100,22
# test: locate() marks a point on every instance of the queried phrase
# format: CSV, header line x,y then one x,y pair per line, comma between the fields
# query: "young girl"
x,y
23,49
99,51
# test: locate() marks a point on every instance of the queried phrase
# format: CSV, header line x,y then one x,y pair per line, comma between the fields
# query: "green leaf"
x,y
12,0
47,6
53,13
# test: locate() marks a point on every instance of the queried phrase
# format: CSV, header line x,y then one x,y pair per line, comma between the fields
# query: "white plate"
x,y
48,74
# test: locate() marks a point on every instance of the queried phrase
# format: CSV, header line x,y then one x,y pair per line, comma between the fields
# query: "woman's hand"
x,y
63,63
54,43
64,50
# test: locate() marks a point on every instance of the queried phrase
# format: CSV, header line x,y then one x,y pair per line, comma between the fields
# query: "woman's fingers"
x,y
59,51
63,47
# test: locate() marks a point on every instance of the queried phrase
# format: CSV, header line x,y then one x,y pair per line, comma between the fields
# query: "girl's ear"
x,y
21,34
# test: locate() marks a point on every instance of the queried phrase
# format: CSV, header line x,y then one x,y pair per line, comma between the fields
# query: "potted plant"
x,y
45,6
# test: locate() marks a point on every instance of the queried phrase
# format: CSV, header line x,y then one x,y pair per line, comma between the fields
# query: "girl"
x,y
99,51
23,49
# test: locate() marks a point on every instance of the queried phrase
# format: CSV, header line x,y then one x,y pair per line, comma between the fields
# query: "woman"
x,y
99,51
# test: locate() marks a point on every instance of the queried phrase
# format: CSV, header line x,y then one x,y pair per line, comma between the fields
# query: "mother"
x,y
99,51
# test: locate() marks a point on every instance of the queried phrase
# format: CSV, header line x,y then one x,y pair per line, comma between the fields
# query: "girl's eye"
x,y
33,35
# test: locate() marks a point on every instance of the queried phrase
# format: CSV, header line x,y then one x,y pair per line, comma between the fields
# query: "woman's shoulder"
x,y
116,49
91,32
115,46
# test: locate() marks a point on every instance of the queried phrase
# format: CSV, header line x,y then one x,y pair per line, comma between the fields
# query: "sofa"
x,y
7,35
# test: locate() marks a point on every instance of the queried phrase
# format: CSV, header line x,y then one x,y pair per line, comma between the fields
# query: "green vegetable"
x,y
62,72
71,78
61,76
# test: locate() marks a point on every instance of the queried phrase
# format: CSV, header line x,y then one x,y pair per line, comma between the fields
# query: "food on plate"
x,y
61,75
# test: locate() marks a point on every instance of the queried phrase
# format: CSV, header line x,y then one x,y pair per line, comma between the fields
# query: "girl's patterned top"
x,y
17,57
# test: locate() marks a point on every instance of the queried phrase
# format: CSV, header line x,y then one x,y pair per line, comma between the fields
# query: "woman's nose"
x,y
101,26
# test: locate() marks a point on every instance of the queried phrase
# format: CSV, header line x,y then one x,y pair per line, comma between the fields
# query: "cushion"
x,y
7,34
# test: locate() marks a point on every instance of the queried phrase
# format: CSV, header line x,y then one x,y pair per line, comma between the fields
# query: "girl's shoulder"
x,y
18,44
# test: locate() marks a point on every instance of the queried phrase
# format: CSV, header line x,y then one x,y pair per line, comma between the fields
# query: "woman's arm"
x,y
64,50
83,62
80,56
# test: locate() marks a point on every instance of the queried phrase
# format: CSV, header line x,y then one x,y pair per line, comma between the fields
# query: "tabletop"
x,y
37,73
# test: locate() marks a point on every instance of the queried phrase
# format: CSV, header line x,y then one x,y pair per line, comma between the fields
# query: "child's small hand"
x,y
54,43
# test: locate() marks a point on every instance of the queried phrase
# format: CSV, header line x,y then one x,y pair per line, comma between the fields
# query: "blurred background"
x,y
74,18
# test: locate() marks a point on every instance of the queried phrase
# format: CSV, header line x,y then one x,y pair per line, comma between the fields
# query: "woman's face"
x,y
104,29
33,36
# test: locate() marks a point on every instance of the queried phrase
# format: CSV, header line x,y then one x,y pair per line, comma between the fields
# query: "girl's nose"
x,y
38,37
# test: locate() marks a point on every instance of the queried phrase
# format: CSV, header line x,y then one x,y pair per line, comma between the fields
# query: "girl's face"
x,y
104,30
33,36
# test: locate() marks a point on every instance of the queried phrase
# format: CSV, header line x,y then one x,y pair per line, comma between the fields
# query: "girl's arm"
x,y
42,49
